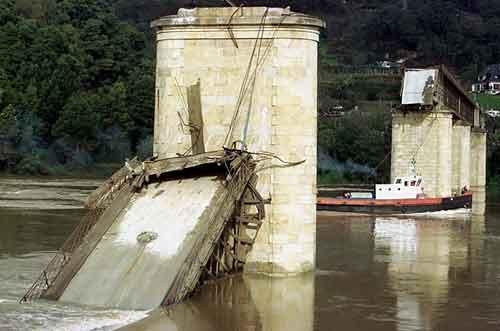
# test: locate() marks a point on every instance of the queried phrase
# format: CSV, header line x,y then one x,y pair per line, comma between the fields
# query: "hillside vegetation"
x,y
76,83
77,76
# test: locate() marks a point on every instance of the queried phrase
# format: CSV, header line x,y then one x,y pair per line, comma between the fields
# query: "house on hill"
x,y
489,81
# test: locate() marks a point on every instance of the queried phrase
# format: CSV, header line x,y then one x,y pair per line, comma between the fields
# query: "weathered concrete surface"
x,y
449,155
426,137
123,272
214,46
478,171
461,155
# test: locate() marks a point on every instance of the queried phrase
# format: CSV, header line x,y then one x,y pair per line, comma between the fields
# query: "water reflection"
x,y
284,304
223,305
25,231
351,291
425,273
242,303
422,255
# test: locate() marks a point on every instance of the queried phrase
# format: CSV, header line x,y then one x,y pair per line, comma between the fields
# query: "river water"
x,y
373,273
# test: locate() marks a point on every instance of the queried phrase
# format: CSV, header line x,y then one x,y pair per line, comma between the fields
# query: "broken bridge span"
x,y
156,230
244,78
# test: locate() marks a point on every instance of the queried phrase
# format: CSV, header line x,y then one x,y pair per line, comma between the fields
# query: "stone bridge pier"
x,y
478,170
249,74
438,131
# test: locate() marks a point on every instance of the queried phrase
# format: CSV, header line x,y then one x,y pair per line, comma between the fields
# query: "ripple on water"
x,y
45,194
17,273
54,316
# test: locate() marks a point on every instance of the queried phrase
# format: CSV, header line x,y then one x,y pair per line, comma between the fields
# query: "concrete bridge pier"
x,y
248,74
438,131
461,156
426,138
448,153
478,170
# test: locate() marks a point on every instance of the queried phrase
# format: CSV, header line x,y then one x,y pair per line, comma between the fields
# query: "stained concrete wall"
x,y
214,46
121,271
449,154
478,170
427,138
461,155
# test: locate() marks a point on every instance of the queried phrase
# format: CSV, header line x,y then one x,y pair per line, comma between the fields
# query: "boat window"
x,y
399,188
389,188
413,183
398,180
419,182
406,183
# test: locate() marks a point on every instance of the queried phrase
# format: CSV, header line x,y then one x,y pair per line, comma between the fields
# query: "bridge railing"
x,y
454,97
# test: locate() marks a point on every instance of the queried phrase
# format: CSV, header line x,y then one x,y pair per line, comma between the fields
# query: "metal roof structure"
x,y
434,87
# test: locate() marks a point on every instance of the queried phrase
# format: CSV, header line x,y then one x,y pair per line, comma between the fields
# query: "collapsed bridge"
x,y
156,230
238,81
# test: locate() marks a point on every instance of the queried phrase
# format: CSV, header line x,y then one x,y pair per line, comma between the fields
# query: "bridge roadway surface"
x,y
123,272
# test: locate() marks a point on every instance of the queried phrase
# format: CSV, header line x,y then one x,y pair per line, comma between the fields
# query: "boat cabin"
x,y
409,187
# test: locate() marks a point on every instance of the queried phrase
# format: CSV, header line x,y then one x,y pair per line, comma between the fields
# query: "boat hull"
x,y
394,206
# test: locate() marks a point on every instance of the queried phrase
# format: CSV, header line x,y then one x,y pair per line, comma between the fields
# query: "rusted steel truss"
x,y
230,252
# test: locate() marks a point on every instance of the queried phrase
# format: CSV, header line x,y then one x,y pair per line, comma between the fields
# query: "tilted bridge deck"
x,y
156,230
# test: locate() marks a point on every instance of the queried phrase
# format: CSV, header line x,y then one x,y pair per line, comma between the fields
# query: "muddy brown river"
x,y
439,272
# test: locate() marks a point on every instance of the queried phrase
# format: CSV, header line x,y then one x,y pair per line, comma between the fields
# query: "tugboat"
x,y
404,196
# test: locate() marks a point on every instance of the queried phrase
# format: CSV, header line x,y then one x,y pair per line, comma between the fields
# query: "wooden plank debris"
x,y
112,184
163,166
223,206
195,118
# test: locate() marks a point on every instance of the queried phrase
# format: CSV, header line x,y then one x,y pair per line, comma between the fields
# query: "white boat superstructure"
x,y
408,187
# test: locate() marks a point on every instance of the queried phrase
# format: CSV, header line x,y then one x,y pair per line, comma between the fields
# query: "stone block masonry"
x,y
438,132
461,155
276,50
478,170
448,153
426,138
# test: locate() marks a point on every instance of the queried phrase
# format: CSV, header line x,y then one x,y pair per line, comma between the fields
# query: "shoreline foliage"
x,y
77,76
